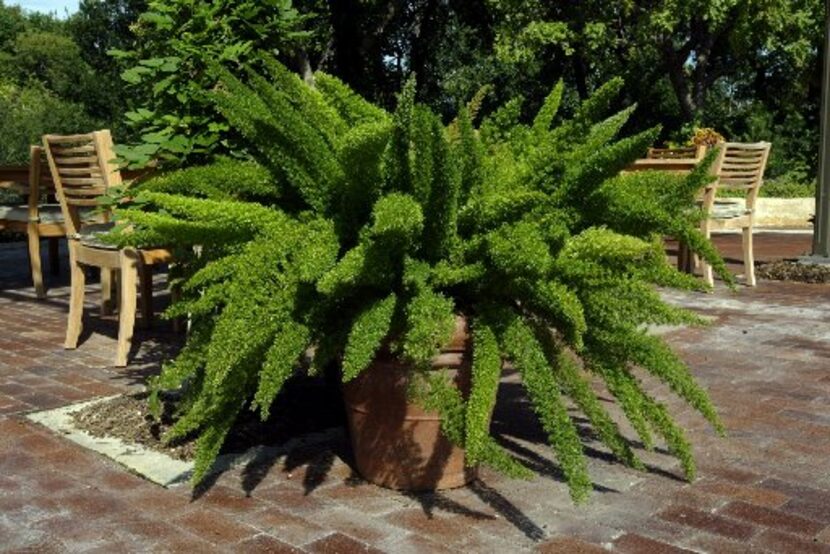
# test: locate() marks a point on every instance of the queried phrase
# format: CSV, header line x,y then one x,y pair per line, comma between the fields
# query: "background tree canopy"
x,y
749,69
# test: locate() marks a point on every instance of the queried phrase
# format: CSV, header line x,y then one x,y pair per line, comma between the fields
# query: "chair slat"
x,y
732,166
75,160
94,171
82,202
68,139
69,150
77,181
84,191
737,186
746,173
744,154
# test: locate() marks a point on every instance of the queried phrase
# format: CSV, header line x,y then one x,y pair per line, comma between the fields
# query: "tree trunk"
x,y
675,67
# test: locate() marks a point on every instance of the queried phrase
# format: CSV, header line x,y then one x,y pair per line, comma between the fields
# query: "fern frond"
x,y
369,329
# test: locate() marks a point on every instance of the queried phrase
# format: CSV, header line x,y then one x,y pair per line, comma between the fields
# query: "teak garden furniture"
x,y
36,219
673,160
739,166
82,168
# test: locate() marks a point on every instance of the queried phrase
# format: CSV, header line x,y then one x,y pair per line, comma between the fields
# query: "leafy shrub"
x,y
786,188
167,73
378,227
29,112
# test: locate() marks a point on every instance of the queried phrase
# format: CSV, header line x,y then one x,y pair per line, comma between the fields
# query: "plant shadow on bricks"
x,y
312,406
516,428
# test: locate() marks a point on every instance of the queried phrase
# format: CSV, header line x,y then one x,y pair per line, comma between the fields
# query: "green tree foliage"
x,y
541,246
45,84
166,70
750,70
98,27
28,112
53,60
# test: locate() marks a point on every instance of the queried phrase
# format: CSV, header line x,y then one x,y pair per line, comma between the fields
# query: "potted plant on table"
x,y
391,246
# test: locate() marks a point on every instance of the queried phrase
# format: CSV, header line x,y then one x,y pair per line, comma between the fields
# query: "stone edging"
x,y
156,466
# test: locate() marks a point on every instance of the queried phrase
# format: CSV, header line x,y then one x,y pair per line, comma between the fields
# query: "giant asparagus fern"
x,y
354,226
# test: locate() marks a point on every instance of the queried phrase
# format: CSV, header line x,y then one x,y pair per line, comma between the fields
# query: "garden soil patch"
x,y
792,270
305,405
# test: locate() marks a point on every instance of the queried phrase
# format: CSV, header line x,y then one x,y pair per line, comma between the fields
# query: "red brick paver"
x,y
766,487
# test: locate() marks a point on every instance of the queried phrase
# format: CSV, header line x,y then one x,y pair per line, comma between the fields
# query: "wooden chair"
x,y
37,219
739,166
82,169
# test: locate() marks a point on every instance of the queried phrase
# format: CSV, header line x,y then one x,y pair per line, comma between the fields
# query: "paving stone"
x,y
715,544
265,544
732,474
291,498
356,524
771,518
568,544
287,527
214,528
228,500
338,543
762,497
811,508
413,543
638,544
764,487
708,522
777,541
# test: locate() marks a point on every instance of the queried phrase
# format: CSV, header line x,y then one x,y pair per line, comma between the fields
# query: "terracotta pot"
x,y
396,443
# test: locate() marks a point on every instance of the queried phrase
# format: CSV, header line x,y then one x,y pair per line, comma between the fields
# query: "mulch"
x,y
306,405
794,271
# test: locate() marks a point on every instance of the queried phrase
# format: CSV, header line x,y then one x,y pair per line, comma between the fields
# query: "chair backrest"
x,y
695,152
82,168
741,166
40,180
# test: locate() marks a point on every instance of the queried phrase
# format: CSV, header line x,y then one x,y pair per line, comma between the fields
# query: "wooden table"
x,y
671,165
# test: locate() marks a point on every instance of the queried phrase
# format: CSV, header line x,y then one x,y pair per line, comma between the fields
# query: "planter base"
x,y
396,443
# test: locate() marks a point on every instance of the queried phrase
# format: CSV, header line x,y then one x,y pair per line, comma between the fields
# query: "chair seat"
x,y
728,209
90,235
48,213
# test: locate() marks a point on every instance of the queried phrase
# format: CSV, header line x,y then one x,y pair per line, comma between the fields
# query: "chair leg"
x,y
54,256
77,277
749,257
34,262
145,277
106,290
126,317
708,275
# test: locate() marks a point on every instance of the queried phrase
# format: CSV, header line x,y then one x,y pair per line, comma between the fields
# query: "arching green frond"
x,y
544,118
486,372
289,343
369,330
351,107
537,377
430,321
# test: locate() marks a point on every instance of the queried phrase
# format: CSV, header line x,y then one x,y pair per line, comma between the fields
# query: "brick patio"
x,y
765,360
